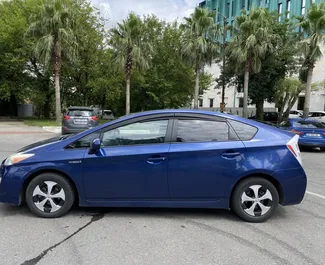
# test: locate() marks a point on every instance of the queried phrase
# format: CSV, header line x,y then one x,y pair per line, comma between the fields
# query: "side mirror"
x,y
95,146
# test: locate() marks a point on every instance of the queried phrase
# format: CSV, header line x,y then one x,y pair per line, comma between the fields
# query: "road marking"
x,y
315,194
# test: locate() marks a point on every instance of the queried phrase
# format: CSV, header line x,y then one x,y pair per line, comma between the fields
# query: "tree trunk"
x,y
197,87
308,91
47,106
260,110
127,100
57,68
246,80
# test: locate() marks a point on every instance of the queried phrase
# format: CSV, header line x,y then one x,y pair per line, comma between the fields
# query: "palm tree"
x,y
249,46
313,26
130,50
200,42
55,39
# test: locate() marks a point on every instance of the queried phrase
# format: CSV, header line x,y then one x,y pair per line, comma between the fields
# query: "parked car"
x,y
167,158
295,114
311,133
106,115
268,116
78,119
317,115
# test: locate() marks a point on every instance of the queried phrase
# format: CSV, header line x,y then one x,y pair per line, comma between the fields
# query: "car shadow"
x,y
148,213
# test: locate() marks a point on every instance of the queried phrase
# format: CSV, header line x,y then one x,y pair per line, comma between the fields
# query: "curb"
x,y
53,129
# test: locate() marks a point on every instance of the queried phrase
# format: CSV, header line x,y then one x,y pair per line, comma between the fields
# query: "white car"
x,y
317,115
295,114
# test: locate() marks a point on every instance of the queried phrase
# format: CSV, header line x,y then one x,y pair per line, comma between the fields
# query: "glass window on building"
x,y
248,4
288,8
228,10
200,102
233,8
243,3
303,7
241,102
211,102
280,8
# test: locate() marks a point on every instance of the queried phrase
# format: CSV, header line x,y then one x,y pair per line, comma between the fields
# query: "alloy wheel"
x,y
49,197
256,200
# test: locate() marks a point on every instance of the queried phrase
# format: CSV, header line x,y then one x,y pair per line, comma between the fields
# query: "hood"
x,y
44,142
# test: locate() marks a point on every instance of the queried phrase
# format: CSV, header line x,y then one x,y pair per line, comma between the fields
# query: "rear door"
x,y
205,157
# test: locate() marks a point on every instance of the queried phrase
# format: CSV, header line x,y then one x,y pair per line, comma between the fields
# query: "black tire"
x,y
322,149
61,183
240,208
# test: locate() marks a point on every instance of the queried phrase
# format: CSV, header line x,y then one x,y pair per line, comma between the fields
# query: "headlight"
x,y
16,158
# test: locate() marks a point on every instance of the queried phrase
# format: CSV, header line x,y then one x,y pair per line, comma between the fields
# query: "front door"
x,y
132,163
204,159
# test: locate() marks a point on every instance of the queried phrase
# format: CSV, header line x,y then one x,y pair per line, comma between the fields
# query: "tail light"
x,y
66,117
293,146
297,132
94,118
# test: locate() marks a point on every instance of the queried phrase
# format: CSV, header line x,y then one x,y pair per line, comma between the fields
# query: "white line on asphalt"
x,y
315,194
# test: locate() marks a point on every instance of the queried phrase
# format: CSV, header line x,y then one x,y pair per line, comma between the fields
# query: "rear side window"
x,y
307,124
244,131
80,113
195,130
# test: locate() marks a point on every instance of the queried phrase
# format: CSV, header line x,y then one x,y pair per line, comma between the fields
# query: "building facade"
x,y
211,98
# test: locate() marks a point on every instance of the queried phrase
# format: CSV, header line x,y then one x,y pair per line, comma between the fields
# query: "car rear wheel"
x,y
322,149
49,195
254,199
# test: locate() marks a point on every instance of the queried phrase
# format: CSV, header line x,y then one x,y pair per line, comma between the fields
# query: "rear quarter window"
x,y
244,131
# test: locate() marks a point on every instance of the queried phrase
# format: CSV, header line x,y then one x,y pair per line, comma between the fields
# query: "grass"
x,y
34,121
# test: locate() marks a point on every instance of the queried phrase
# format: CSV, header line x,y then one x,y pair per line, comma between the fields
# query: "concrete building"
x,y
211,98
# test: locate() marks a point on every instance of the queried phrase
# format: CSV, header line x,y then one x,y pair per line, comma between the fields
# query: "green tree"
x,y
313,26
286,95
53,27
131,52
200,44
253,39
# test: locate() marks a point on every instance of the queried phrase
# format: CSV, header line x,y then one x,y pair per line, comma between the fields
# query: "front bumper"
x,y
11,183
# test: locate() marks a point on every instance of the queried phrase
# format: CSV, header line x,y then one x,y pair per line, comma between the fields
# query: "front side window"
x,y
85,141
195,130
147,132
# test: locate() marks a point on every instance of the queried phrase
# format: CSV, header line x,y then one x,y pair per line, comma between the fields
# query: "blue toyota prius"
x,y
167,158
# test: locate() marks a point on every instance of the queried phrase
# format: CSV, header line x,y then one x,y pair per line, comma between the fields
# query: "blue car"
x,y
167,158
311,133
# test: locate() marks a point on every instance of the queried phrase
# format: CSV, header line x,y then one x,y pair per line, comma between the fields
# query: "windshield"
x,y
83,113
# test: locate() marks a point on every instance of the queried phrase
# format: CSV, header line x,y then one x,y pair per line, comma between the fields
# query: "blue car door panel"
x,y
131,165
204,159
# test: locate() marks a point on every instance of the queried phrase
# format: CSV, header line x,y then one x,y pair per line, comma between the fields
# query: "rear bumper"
x,y
66,130
311,143
293,183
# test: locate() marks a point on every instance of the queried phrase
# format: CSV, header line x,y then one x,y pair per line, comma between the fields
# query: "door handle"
x,y
230,155
155,160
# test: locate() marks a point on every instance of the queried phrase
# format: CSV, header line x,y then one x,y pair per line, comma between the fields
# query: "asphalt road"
x,y
295,234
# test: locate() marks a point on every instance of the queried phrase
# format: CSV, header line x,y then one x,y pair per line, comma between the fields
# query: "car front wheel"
x,y
254,199
49,195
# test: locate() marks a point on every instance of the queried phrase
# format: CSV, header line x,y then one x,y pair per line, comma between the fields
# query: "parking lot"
x,y
295,234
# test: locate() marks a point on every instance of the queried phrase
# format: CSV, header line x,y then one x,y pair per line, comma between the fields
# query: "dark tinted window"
x,y
149,132
202,131
308,124
85,141
83,113
244,131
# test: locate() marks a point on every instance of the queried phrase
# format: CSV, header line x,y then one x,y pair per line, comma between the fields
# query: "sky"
x,y
170,10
